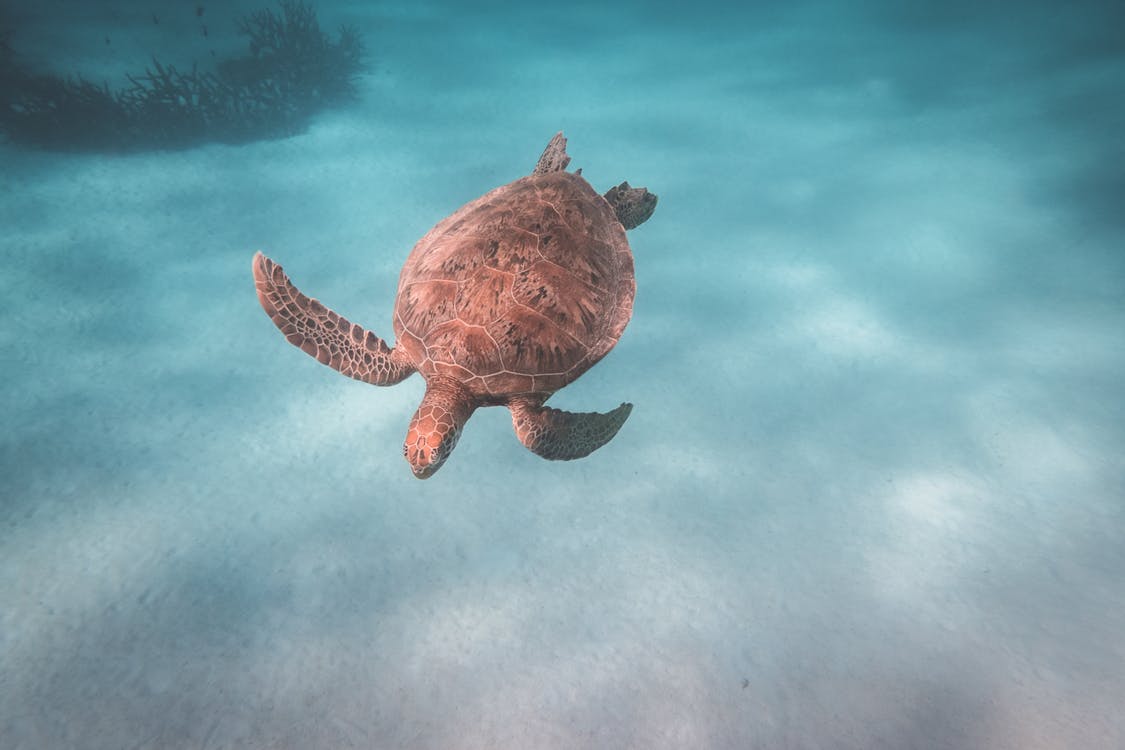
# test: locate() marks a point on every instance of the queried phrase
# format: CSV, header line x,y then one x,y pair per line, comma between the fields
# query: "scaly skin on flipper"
x,y
562,435
331,338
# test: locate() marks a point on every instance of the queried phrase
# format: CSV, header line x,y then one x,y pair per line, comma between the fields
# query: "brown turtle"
x,y
509,299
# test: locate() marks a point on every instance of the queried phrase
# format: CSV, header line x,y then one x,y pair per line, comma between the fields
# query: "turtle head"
x,y
436,427
429,441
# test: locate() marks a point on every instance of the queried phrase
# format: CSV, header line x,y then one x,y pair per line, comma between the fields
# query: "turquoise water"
x,y
872,492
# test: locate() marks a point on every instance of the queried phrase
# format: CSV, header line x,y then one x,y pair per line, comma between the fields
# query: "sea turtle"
x,y
502,303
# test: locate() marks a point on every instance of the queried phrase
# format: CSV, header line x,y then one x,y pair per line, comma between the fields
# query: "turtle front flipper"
x,y
331,338
561,435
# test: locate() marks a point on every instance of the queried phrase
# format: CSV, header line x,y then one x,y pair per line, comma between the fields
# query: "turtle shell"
x,y
519,291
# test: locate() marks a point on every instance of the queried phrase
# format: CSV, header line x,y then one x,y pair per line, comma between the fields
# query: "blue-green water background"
x,y
872,494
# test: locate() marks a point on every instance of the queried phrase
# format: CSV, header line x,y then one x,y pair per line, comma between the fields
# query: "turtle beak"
x,y
424,461
425,472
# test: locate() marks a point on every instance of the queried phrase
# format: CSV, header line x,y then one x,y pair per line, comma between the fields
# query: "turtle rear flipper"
x,y
321,333
633,206
562,435
554,157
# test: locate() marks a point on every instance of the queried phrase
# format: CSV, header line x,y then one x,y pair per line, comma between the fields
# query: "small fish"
x,y
204,29
155,20
199,10
107,40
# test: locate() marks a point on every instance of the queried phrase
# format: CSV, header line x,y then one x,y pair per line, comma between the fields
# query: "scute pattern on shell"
x,y
519,291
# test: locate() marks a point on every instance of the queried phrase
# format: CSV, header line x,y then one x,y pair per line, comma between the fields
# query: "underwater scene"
x,y
795,368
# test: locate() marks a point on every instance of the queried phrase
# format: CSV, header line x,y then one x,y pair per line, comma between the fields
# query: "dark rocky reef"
x,y
293,70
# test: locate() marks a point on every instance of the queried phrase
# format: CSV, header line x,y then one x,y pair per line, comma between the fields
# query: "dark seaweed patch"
x,y
293,71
